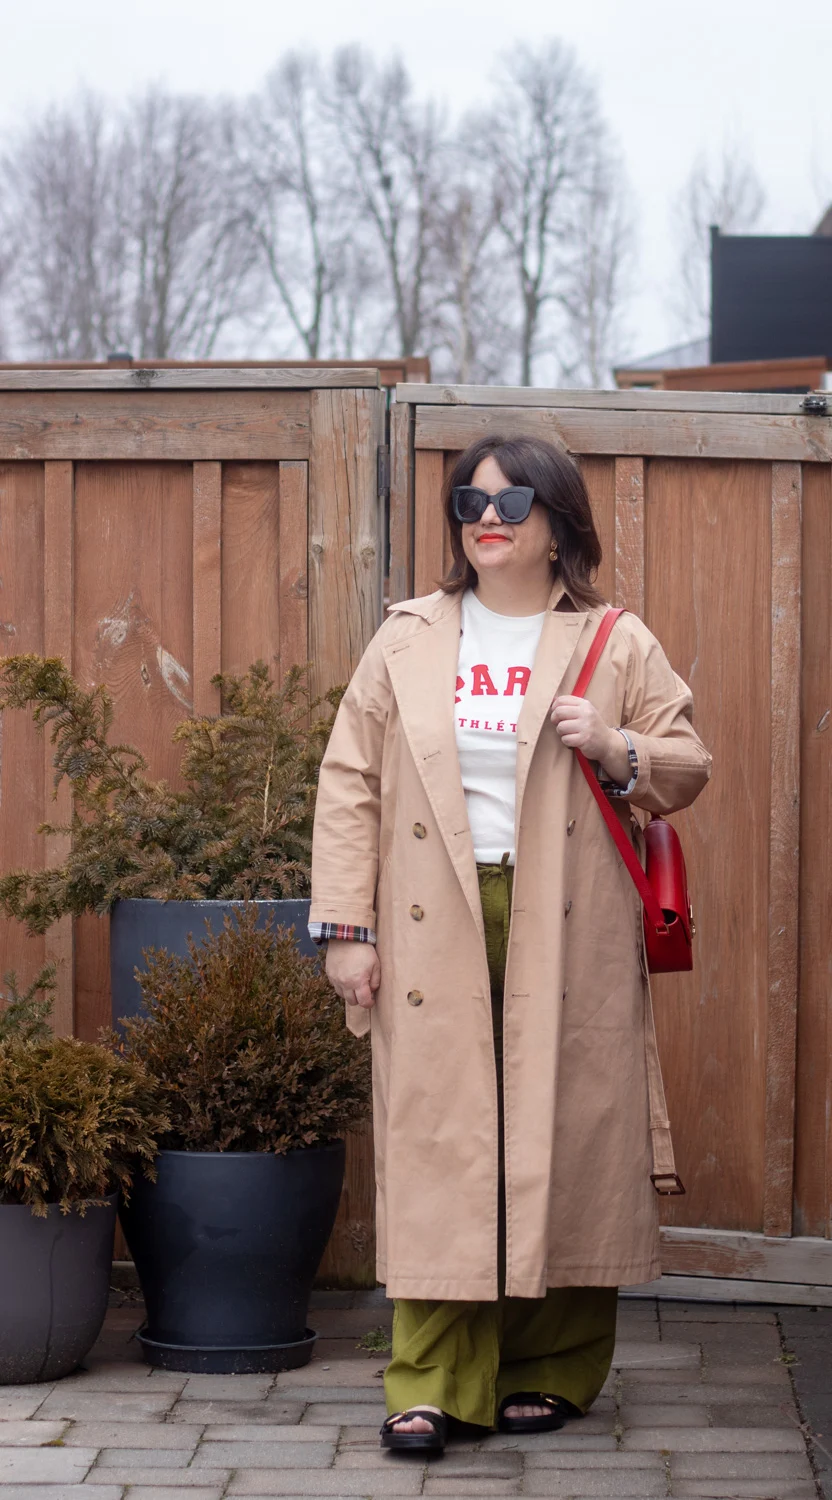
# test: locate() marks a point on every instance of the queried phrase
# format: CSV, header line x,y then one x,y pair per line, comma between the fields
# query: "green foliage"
x,y
246,1045
240,826
375,1341
25,1018
74,1121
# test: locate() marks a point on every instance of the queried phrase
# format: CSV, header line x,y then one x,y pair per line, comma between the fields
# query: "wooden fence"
x,y
715,514
157,526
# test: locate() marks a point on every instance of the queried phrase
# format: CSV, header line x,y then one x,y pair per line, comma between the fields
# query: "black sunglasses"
x,y
512,504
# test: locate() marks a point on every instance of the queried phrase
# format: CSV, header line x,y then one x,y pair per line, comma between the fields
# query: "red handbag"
x,y
668,915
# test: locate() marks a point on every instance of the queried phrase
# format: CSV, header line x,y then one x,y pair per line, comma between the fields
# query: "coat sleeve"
x,y
673,764
345,837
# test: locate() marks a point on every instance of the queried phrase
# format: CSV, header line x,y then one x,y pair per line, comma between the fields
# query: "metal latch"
x,y
815,404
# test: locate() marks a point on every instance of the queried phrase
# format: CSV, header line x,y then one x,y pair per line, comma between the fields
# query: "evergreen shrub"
x,y
245,1043
75,1121
239,827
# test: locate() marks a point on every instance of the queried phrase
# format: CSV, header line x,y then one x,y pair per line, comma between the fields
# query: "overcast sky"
x,y
674,79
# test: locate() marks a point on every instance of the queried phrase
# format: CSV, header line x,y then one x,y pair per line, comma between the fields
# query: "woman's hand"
x,y
354,971
581,727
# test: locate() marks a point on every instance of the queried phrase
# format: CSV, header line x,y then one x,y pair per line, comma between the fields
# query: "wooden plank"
x,y
602,401
643,432
350,1256
207,585
292,581
250,565
150,424
182,378
21,743
757,1257
629,534
58,601
345,531
401,503
784,846
429,523
813,1167
134,631
709,1289
713,620
599,478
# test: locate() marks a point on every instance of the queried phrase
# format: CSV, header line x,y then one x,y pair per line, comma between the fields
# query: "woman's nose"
x,y
489,516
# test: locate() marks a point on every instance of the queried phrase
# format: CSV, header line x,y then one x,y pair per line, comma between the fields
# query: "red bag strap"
x,y
622,843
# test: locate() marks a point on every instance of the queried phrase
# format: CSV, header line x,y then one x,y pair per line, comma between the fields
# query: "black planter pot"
x,y
226,1245
136,925
54,1281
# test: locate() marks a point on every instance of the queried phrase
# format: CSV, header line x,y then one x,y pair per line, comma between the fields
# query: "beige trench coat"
x,y
392,839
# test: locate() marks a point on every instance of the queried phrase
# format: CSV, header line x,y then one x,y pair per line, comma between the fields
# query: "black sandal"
x,y
559,1412
416,1442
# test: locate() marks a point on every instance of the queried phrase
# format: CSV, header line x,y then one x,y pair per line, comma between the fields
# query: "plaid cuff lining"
x,y
342,932
612,788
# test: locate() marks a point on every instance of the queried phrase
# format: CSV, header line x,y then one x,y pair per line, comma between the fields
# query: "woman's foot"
x,y
527,1410
415,1423
422,1429
533,1411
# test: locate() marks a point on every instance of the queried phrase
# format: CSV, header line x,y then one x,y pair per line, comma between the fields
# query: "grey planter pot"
x,y
136,925
54,1283
227,1244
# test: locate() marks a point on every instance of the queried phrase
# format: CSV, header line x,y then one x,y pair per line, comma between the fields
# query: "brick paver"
x,y
705,1401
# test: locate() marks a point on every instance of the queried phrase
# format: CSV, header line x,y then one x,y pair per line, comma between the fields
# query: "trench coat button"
x,y
419,831
570,828
416,913
567,909
415,997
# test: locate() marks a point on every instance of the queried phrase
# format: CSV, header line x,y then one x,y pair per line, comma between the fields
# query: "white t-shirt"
x,y
496,656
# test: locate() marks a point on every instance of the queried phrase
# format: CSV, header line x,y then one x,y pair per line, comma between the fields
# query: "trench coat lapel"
x,y
558,642
423,675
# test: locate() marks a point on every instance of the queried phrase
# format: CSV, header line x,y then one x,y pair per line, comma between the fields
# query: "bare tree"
x,y
63,187
124,230
391,150
473,335
597,279
188,259
535,142
729,195
296,209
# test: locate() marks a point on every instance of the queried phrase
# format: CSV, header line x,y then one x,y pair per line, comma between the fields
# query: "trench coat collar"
x,y
422,668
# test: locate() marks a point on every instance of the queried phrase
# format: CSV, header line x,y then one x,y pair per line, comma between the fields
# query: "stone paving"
x,y
703,1400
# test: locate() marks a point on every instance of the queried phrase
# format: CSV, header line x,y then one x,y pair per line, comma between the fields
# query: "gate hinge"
x,y
815,404
383,471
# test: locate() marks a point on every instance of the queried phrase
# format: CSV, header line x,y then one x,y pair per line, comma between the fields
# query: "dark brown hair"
x,y
557,484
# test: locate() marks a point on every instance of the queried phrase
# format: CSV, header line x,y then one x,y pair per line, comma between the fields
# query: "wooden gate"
x,y
158,526
715,514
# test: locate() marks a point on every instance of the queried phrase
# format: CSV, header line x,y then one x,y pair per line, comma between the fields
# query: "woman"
x,y
481,924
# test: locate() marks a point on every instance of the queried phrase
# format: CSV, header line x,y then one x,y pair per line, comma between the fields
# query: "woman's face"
x,y
492,545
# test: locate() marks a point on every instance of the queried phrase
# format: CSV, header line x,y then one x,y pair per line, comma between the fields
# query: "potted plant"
x,y
159,858
245,1043
74,1120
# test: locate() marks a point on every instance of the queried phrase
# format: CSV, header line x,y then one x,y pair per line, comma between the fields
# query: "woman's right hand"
x,y
354,971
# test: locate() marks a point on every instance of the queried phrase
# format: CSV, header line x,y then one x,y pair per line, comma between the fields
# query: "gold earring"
x,y
553,552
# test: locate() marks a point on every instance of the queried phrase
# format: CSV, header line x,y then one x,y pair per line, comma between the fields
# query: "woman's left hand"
x,y
581,727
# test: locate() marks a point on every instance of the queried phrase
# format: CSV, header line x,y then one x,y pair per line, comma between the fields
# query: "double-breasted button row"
x,y
417,913
415,997
419,831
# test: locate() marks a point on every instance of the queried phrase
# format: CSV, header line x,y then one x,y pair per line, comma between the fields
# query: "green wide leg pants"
x,y
467,1357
